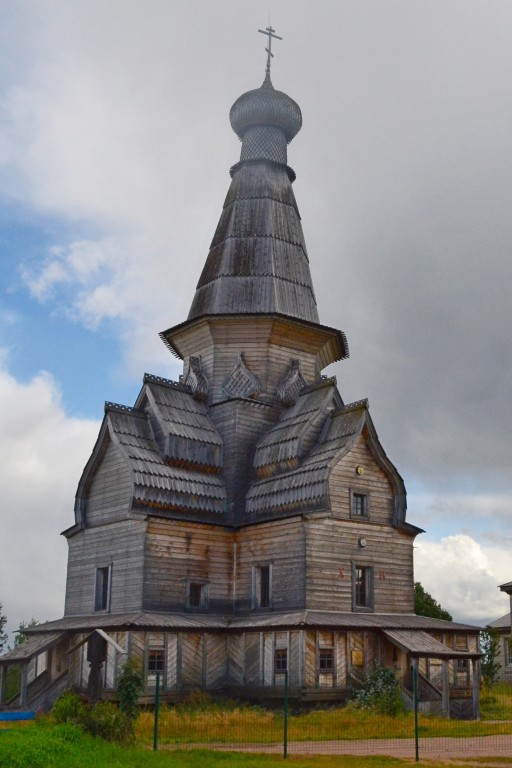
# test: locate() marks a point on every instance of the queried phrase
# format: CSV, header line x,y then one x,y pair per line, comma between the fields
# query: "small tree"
x,y
129,688
490,645
3,634
381,692
20,635
426,605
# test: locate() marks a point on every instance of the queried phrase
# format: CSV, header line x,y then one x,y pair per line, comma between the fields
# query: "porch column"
x,y
475,666
3,684
23,689
445,700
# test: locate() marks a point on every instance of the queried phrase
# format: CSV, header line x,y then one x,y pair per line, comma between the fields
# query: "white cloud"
x,y
463,575
42,454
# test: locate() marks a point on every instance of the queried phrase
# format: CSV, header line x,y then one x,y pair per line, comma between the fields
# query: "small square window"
x,y
196,594
462,665
280,661
102,589
359,505
326,659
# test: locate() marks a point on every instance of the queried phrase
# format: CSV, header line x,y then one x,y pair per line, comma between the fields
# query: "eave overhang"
x,y
330,344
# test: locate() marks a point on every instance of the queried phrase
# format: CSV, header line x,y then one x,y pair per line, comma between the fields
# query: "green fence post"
x,y
157,710
415,697
285,724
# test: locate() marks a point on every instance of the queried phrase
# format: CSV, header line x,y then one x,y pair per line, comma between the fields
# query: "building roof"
x,y
419,643
254,621
32,646
502,623
170,446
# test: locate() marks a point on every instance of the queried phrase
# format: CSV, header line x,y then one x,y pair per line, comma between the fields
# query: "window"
x,y
507,642
280,661
462,665
362,587
197,594
262,586
156,663
102,589
326,659
359,504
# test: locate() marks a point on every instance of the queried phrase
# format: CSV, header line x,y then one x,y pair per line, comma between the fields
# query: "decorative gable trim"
x,y
241,382
291,384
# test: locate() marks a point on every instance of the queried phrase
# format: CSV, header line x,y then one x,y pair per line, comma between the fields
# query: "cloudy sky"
x,y
115,148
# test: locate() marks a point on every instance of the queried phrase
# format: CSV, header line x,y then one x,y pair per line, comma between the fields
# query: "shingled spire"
x,y
258,261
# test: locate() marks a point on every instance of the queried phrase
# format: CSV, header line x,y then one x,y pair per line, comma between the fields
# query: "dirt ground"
x,y
429,749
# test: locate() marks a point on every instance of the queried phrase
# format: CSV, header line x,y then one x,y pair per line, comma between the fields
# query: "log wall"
x,y
119,545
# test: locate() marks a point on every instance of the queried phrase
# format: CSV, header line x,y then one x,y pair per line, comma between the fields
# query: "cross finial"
x,y
270,33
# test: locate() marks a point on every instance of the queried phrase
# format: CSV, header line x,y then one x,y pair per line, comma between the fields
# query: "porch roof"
x,y
32,646
419,643
201,622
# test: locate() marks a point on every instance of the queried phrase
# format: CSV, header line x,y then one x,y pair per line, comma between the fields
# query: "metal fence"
x,y
284,729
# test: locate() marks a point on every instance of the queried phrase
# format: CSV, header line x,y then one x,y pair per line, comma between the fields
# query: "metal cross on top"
x,y
270,32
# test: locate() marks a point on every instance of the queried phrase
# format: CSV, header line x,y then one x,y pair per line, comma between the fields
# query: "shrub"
x,y
380,692
107,721
129,688
69,708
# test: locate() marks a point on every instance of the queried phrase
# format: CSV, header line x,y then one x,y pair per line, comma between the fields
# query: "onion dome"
x,y
265,121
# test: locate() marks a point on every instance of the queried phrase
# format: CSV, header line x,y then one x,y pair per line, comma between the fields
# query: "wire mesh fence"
x,y
285,728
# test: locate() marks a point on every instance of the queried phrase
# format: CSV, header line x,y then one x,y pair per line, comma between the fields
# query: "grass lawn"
x,y
65,746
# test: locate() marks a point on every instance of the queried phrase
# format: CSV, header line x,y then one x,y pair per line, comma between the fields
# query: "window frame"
x,y
364,495
323,651
369,581
191,585
159,656
258,584
102,588
280,655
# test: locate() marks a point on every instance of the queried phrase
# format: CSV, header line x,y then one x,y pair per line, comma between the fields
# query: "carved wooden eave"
x,y
328,344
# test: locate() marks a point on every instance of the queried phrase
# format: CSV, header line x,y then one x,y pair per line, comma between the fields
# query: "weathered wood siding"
x,y
373,482
332,547
109,495
120,545
240,423
281,544
236,659
192,661
268,346
178,552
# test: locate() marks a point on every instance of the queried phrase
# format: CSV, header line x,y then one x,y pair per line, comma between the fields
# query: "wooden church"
x,y
245,521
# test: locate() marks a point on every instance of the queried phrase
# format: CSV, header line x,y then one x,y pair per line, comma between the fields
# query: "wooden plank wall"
x,y
192,661
241,424
280,543
177,552
252,659
109,496
120,544
216,662
236,659
268,347
332,546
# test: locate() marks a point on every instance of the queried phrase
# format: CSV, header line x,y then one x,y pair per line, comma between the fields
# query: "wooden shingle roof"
x,y
257,261
307,486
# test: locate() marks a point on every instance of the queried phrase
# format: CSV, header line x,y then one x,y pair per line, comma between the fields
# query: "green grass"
x,y
65,746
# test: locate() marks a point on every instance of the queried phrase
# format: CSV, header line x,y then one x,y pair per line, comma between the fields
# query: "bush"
x,y
70,708
104,719
130,685
107,721
381,692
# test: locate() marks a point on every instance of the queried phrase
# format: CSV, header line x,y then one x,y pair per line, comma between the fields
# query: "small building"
x,y
245,521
